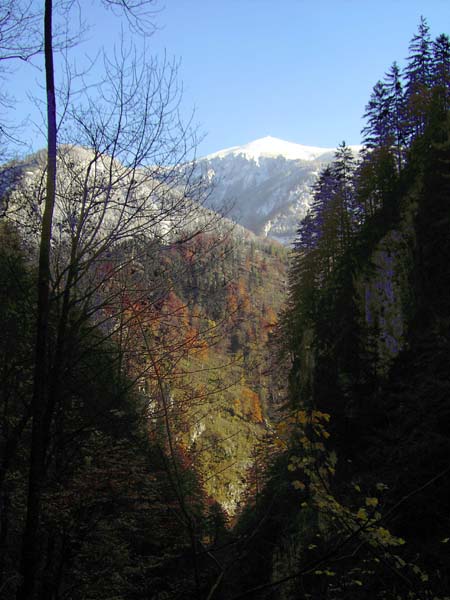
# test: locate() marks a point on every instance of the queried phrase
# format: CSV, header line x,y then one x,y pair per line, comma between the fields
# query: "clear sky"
x,y
300,70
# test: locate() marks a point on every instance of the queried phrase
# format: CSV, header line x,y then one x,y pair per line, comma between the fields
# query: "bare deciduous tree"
x,y
127,182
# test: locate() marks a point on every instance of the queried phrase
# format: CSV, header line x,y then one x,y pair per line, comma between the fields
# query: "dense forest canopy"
x,y
178,421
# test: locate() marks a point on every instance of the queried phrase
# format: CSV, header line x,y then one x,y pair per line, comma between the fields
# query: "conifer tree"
x,y
304,268
382,140
376,132
418,75
396,112
325,220
347,212
441,70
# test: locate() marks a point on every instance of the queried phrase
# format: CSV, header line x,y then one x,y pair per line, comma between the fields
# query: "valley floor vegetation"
x,y
175,423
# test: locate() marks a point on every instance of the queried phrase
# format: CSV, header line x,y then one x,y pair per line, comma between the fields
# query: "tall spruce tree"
x,y
304,272
382,140
377,132
441,71
345,203
418,76
396,113
325,222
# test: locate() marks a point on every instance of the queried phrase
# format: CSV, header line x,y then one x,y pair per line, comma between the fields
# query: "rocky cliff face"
x,y
385,295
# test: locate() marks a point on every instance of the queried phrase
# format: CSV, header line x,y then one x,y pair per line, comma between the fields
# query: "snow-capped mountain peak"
x,y
271,147
265,185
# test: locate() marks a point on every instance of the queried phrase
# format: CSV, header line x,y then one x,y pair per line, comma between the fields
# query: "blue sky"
x,y
300,70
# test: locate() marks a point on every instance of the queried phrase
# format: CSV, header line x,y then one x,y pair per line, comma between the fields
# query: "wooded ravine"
x,y
190,411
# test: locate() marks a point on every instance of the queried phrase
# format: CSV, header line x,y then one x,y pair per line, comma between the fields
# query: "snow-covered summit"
x,y
271,147
266,185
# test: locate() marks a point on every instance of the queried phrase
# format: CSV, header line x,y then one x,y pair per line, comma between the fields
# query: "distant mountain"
x,y
265,185
155,198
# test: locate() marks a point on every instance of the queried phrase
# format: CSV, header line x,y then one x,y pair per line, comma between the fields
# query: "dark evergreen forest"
x,y
123,332
357,504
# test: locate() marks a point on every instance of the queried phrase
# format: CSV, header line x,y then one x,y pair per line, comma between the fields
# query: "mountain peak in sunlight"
x,y
272,147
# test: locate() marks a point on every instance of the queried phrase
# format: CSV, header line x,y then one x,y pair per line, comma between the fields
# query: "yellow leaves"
x,y
383,533
382,536
445,540
372,502
361,514
314,417
279,443
321,416
282,428
302,417
357,488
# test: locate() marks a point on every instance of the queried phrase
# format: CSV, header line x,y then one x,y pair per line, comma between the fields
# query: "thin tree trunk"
x,y
30,547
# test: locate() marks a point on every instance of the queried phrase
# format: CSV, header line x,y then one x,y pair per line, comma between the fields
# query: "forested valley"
x,y
189,411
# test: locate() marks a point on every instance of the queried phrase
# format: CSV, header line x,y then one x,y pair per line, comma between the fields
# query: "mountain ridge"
x,y
272,147
265,185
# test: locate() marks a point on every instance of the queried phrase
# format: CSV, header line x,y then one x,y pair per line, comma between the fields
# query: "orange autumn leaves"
x,y
247,403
